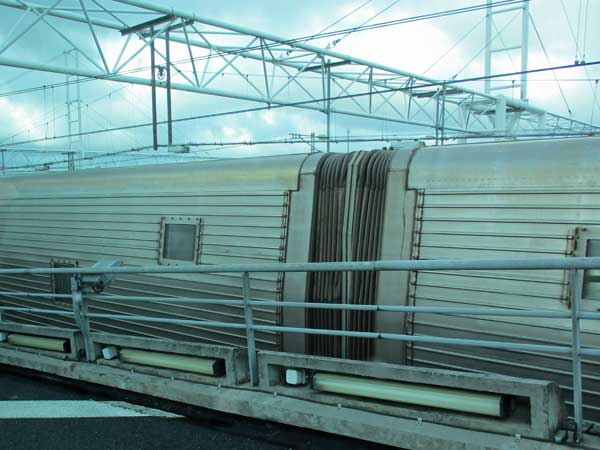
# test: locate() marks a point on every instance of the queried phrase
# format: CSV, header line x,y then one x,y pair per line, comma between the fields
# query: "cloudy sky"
x,y
33,111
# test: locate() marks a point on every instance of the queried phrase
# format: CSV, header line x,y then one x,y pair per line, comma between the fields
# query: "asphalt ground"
x,y
194,428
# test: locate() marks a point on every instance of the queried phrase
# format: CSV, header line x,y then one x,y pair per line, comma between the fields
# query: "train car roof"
x,y
272,173
559,163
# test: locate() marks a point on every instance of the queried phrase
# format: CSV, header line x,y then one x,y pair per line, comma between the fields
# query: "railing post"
x,y
80,309
252,364
576,284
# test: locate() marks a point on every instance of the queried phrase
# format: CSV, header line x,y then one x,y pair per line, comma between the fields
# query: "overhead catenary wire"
x,y
585,28
360,27
306,76
539,37
593,86
217,54
427,16
456,44
482,48
577,52
345,32
358,8
305,102
44,120
227,145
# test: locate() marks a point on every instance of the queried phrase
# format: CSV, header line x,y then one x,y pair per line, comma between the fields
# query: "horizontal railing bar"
x,y
588,315
166,320
353,266
360,334
207,301
350,307
36,310
425,339
590,351
31,294
418,309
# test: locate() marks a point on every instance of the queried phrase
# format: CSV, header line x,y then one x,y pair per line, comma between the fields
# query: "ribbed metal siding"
x,y
502,224
248,227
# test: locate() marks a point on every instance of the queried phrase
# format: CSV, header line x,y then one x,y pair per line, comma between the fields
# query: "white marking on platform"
x,y
60,409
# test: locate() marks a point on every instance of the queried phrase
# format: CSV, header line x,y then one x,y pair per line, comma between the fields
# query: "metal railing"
x,y
80,299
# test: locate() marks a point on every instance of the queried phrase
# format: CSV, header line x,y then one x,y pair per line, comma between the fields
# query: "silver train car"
x,y
505,199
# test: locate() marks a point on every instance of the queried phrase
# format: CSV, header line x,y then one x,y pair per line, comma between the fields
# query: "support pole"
x,y
524,48
576,285
328,108
437,118
251,341
500,118
71,161
73,110
488,47
153,85
443,114
169,117
80,310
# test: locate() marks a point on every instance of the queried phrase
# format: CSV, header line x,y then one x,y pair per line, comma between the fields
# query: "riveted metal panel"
x,y
499,223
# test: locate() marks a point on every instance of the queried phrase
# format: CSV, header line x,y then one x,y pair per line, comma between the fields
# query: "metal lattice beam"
x,y
272,70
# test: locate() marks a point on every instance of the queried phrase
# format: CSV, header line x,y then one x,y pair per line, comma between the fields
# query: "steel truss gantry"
x,y
270,70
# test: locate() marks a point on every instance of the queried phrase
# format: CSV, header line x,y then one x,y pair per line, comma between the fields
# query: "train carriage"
x,y
504,199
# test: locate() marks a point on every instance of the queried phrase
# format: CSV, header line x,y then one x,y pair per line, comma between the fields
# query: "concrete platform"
x,y
256,403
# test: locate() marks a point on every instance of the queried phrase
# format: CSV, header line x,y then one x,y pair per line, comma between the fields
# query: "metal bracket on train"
x,y
100,281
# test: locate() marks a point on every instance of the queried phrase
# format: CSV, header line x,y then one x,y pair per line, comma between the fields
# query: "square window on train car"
x,y
591,279
61,283
179,240
588,244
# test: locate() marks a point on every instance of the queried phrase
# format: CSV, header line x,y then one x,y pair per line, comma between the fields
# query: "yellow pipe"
x,y
43,343
205,366
415,394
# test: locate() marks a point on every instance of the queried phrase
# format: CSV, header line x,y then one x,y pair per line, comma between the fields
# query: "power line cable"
x,y
242,144
428,16
43,121
439,14
360,27
456,44
585,27
575,40
562,94
593,86
476,55
311,101
354,29
359,7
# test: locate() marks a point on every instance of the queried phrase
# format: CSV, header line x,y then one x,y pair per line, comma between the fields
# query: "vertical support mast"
x,y
328,108
576,286
522,46
488,47
169,117
149,29
524,49
73,105
153,83
501,125
250,338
